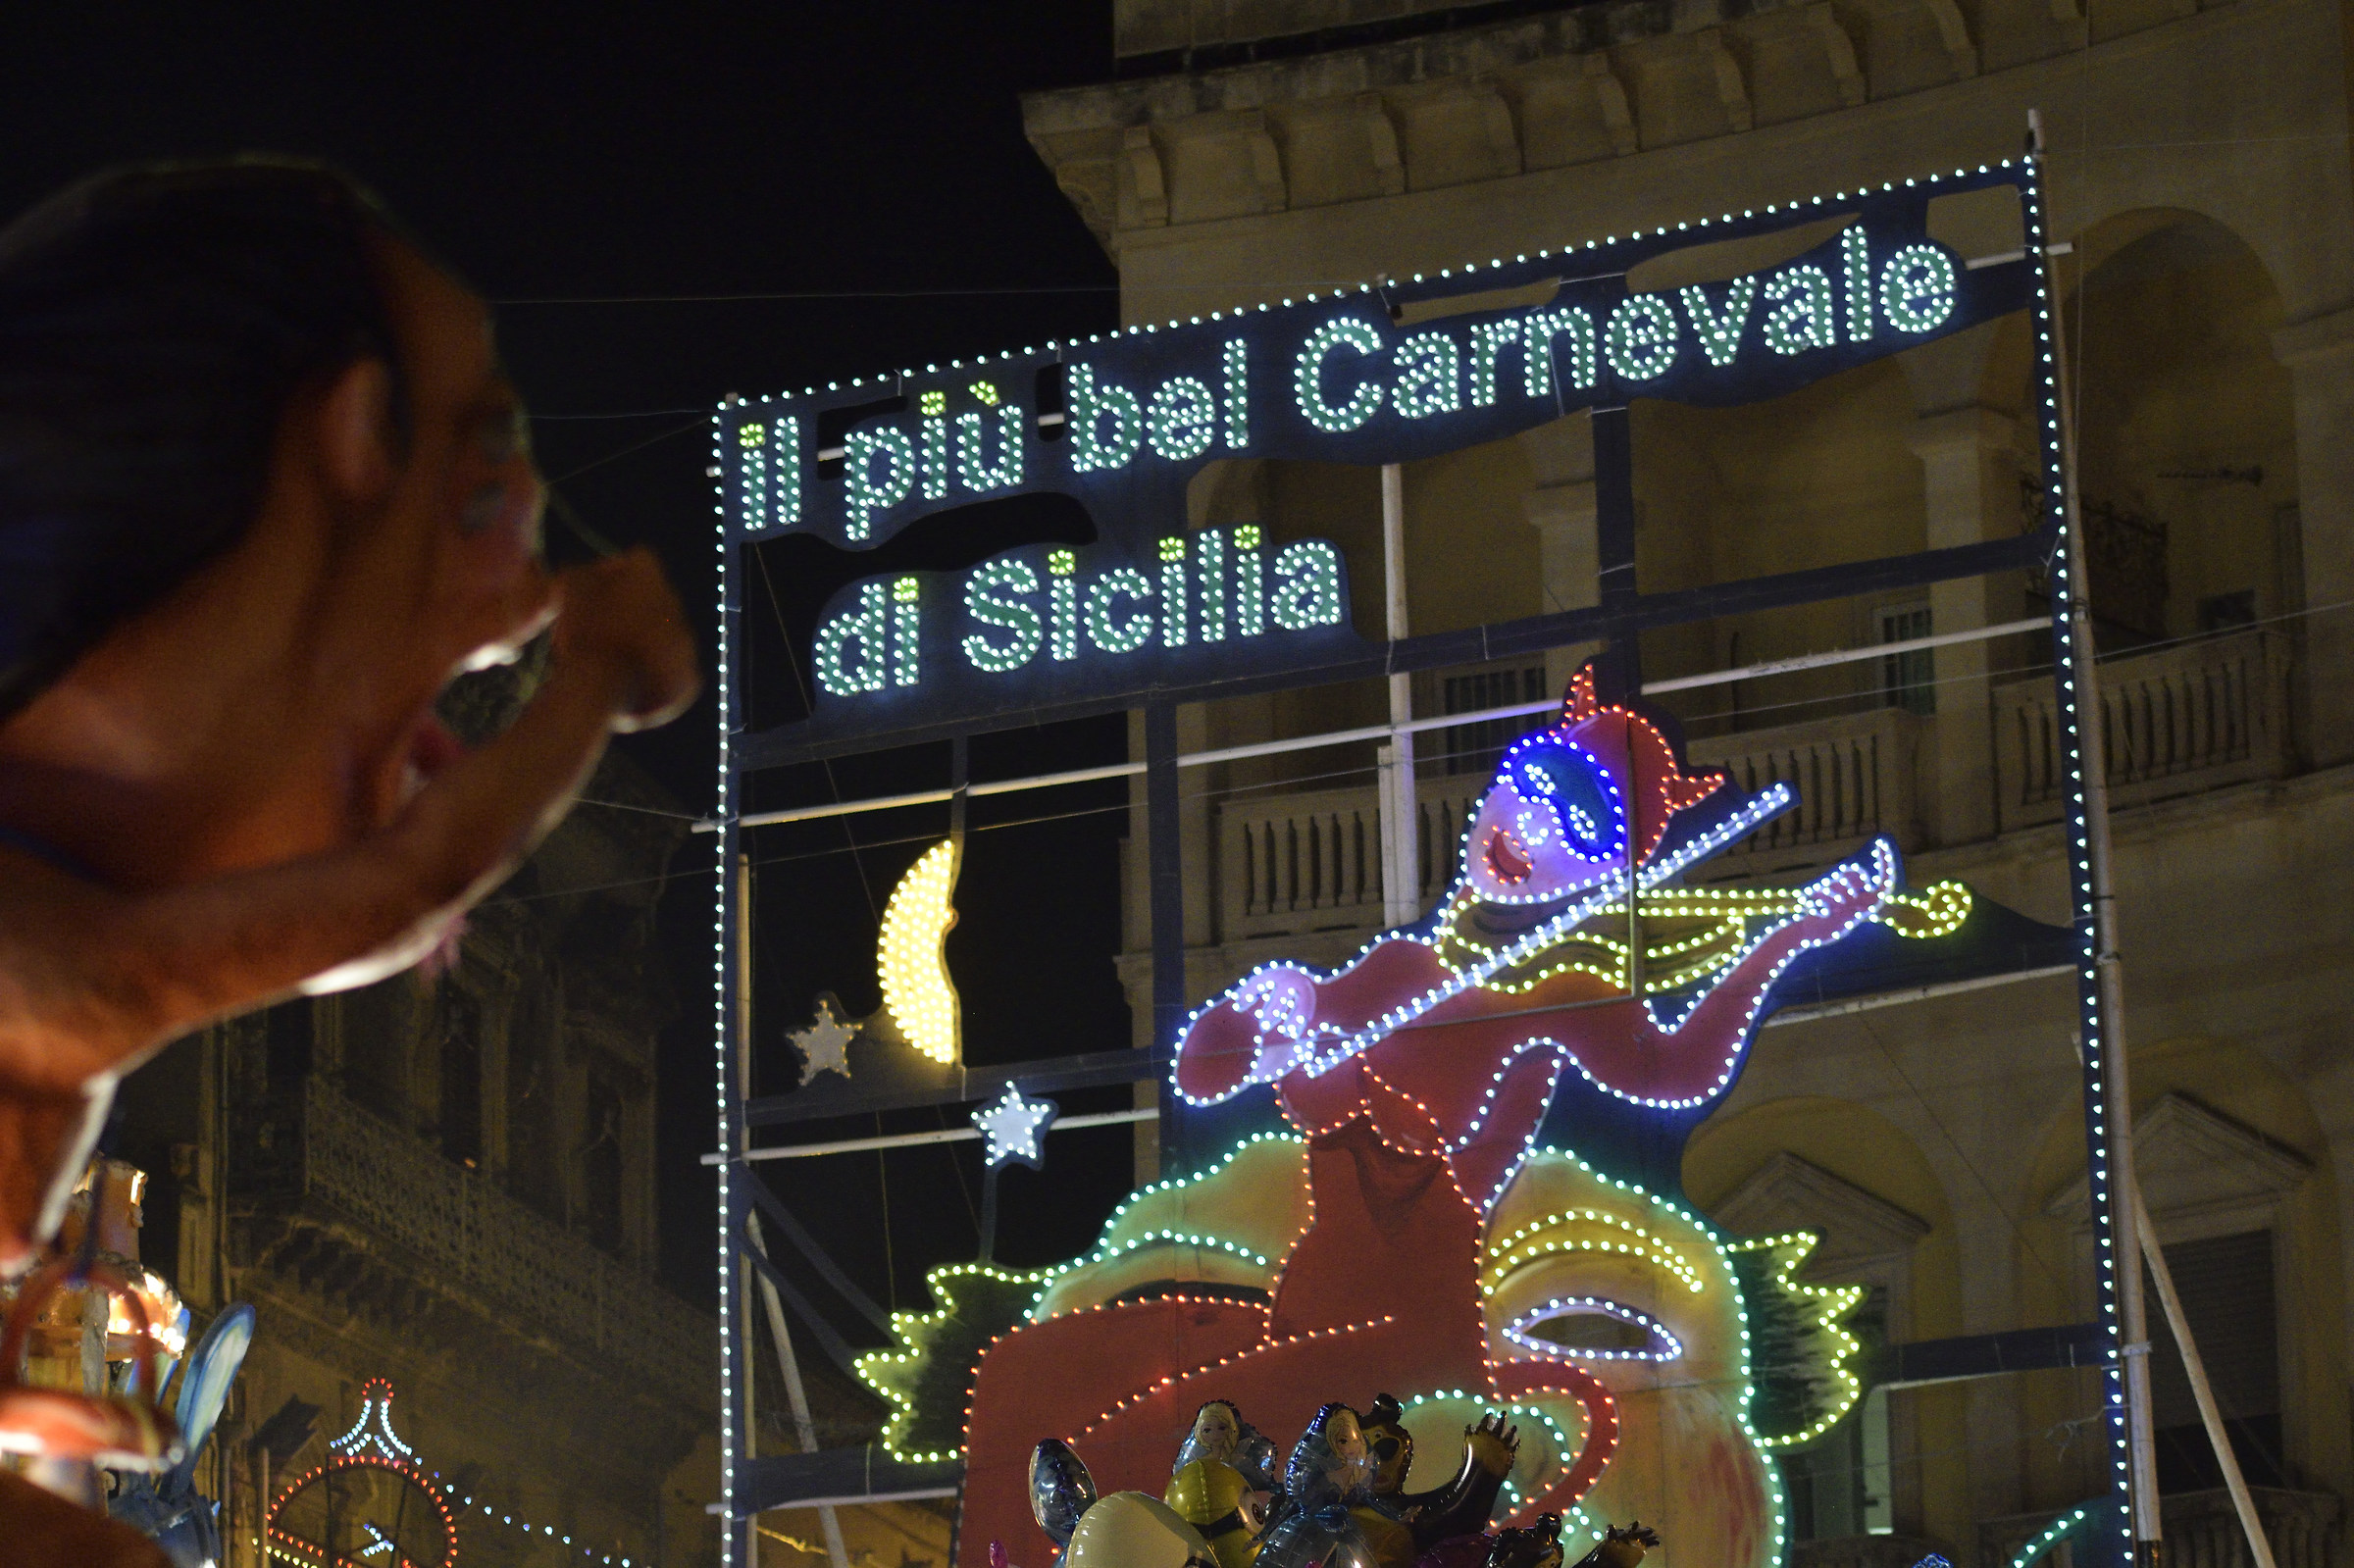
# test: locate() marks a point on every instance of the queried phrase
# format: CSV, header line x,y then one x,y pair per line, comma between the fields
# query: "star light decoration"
x,y
1011,1126
825,1044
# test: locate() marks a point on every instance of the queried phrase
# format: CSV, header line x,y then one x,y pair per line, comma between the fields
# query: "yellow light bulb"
x,y
911,959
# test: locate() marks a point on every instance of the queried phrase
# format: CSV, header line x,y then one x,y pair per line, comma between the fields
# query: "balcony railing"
x,y
2201,1530
1853,776
469,1238
2191,718
1312,862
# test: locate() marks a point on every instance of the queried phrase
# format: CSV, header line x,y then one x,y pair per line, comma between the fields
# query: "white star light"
x,y
1011,1126
825,1044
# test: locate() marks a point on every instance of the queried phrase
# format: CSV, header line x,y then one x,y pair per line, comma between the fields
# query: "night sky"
x,y
668,204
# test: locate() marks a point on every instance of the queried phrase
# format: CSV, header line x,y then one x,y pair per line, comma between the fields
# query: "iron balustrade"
x,y
469,1238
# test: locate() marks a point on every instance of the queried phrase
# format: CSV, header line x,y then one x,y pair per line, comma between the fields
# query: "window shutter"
x,y
2225,1284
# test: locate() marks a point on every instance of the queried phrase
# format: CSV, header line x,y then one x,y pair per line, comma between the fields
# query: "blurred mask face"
x,y
396,545
446,575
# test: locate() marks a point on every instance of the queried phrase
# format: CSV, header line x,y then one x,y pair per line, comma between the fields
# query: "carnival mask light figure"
x,y
1418,1077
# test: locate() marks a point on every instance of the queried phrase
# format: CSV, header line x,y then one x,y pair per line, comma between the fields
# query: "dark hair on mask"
x,y
154,321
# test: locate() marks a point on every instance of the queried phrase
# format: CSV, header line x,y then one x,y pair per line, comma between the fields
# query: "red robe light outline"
x,y
1417,1113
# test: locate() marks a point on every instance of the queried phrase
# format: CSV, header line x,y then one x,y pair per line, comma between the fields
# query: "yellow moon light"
x,y
912,959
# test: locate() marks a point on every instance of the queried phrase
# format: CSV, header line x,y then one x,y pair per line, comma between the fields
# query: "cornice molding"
x,y
2190,1157
1790,1194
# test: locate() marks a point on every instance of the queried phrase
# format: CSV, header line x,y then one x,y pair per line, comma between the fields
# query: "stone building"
x,y
448,1180
2199,170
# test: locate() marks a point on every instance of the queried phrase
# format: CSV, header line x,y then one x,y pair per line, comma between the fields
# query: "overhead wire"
x,y
634,446
629,413
2018,1230
1334,775
800,683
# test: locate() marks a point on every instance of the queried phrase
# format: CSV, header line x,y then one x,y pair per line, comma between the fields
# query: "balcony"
x,y
2196,716
2202,1529
2183,720
1853,776
1312,862
450,1231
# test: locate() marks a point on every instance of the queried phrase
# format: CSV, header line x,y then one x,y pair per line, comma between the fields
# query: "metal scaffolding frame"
x,y
749,1278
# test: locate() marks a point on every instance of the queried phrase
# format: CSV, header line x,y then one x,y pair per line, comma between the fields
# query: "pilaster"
x,y
1965,460
2318,355
1968,494
1561,509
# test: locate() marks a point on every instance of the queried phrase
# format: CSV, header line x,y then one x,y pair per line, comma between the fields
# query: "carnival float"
x,y
1465,1246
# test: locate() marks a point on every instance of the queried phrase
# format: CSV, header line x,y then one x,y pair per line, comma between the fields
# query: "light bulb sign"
x,y
1728,311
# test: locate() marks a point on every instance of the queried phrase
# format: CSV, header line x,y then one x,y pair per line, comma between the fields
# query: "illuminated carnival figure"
x,y
1419,1075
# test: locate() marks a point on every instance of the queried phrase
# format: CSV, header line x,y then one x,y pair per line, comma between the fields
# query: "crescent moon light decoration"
x,y
911,959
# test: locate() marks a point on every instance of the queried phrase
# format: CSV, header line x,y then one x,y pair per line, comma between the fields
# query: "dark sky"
x,y
604,174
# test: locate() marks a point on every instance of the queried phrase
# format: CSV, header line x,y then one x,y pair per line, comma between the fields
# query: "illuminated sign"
x,y
1371,373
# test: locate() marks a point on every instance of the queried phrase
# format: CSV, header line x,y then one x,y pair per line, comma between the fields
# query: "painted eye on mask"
x,y
1570,784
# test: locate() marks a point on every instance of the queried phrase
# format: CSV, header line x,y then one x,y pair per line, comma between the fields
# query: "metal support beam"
x,y
735,1082
803,1429
2108,1100
1400,818
841,1478
2243,1503
959,1084
948,1134
1619,668
1985,1355
1165,866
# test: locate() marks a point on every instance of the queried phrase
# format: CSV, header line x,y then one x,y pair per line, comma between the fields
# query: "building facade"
x,y
2199,180
448,1180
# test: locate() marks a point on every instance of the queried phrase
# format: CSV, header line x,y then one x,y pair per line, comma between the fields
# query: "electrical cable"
x,y
957,1166
629,413
652,811
1230,791
2018,1232
634,446
891,1267
1292,783
800,683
